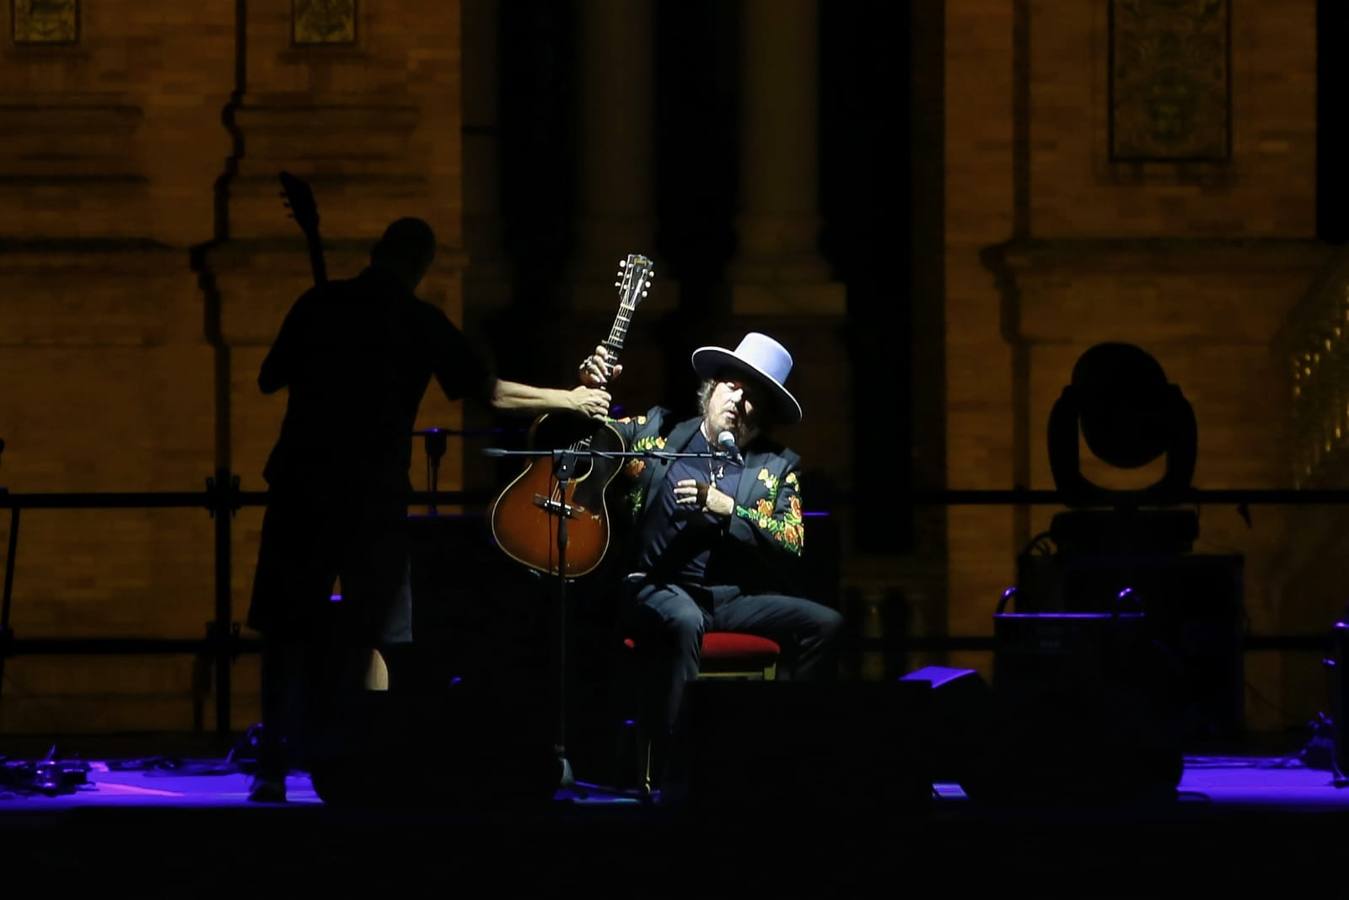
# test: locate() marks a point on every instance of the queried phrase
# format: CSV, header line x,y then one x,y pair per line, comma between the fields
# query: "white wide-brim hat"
x,y
761,358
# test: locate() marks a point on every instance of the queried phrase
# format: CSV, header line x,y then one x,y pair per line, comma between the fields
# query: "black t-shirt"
x,y
681,542
357,357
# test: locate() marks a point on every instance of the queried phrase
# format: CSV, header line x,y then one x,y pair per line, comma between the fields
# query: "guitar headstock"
x,y
299,199
634,279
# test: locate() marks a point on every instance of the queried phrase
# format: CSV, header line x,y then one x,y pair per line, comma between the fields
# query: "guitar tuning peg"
x,y
622,263
618,284
643,293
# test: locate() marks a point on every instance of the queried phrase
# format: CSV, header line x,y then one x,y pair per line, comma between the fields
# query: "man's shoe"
x,y
267,789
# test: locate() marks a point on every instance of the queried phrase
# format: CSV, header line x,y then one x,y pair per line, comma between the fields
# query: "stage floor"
x,y
1236,821
1238,782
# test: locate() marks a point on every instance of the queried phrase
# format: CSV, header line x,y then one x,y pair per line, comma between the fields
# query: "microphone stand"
x,y
564,466
436,441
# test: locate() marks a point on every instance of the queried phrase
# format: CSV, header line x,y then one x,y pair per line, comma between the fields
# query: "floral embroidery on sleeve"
x,y
634,498
784,523
771,482
636,466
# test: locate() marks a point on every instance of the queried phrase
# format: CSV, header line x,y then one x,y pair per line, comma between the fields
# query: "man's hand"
x,y
595,369
695,495
590,401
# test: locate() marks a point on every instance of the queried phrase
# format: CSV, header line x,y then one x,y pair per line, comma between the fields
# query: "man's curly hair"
x,y
705,394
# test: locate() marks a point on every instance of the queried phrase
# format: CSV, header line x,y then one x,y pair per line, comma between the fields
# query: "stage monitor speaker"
x,y
959,718
754,748
467,748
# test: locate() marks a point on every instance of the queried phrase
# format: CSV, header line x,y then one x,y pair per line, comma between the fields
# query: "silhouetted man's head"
x,y
406,249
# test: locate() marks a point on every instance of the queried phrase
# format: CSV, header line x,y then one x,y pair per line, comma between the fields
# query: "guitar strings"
x,y
582,444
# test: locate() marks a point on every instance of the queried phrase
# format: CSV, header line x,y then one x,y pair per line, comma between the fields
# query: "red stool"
x,y
728,655
732,655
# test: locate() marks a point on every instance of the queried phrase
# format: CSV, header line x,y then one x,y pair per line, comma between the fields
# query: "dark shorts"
x,y
307,547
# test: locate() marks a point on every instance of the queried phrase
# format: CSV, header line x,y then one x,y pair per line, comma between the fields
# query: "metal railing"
x,y
222,498
222,643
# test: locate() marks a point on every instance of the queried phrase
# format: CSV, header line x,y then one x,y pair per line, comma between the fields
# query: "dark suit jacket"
x,y
765,534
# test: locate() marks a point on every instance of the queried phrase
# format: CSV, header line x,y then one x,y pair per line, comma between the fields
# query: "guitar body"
x,y
525,515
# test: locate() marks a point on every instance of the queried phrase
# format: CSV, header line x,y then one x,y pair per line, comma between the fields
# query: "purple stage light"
x,y
1056,616
937,675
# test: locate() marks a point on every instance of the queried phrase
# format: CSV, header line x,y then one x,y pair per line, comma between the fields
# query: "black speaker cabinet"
x,y
757,747
1192,620
1088,709
470,747
1337,668
475,614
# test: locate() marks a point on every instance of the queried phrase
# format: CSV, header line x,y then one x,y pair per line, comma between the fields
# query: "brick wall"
x,y
979,213
1266,190
1197,264
127,360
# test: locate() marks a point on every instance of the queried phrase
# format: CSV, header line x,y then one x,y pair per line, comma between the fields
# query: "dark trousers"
x,y
668,622
316,649
307,685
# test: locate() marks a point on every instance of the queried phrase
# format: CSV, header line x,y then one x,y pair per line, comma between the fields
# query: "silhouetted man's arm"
x,y
511,395
278,367
463,373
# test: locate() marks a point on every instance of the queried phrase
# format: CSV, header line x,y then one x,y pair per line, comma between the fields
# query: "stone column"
x,y
778,268
486,280
616,190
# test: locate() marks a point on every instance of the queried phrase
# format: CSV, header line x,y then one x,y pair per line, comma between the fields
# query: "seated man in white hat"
x,y
711,535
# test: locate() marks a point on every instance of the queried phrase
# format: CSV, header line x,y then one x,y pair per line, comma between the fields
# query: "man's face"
x,y
735,407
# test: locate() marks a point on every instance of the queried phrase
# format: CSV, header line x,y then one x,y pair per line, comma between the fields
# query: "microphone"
x,y
726,442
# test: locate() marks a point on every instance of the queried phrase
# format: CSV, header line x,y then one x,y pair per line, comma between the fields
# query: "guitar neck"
x,y
317,264
618,333
634,275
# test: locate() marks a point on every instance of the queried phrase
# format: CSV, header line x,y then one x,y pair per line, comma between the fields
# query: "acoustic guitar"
x,y
525,515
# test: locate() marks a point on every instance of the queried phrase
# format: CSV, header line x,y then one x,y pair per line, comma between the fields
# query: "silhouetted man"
x,y
356,356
